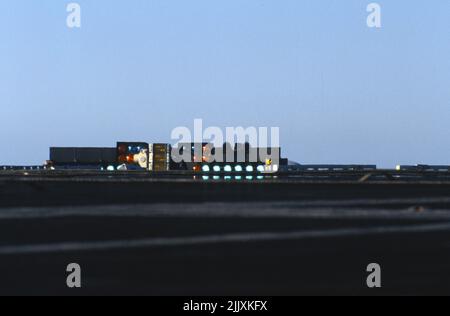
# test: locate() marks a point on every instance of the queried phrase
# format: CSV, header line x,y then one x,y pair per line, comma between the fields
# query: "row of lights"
x,y
231,178
23,168
228,168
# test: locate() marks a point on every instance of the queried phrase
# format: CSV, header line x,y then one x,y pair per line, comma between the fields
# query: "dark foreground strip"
x,y
216,239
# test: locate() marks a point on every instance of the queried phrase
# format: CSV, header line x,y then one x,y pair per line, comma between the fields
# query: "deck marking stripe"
x,y
215,239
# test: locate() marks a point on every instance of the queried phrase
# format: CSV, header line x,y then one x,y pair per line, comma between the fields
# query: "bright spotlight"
x,y
206,168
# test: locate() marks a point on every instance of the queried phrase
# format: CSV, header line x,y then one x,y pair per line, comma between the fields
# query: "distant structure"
x,y
239,160
157,157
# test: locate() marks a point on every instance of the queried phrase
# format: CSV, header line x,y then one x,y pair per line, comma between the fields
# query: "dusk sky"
x,y
339,91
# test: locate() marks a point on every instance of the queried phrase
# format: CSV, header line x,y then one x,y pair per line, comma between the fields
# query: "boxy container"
x,y
159,157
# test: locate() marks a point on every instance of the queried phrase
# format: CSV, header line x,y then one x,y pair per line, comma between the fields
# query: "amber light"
x,y
126,158
196,168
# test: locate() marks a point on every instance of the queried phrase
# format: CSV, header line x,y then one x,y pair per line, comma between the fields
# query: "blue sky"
x,y
339,91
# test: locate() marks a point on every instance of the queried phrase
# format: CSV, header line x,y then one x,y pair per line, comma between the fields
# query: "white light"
x,y
249,169
228,169
261,169
216,168
205,178
249,177
238,168
206,168
227,178
110,168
